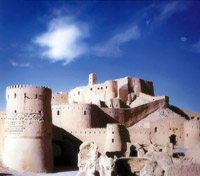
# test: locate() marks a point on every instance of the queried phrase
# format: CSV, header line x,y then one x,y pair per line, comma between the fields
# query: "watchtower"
x,y
28,129
92,78
113,141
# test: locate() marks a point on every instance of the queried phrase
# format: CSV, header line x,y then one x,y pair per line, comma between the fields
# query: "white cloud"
x,y
112,47
196,47
183,39
15,64
63,40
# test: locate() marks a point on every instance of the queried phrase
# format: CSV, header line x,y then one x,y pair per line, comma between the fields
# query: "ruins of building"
x,y
115,115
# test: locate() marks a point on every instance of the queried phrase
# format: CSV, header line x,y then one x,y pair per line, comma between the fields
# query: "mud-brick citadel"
x,y
122,118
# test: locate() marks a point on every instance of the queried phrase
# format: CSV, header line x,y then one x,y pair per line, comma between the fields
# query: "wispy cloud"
x,y
63,40
183,39
160,12
15,64
196,47
112,47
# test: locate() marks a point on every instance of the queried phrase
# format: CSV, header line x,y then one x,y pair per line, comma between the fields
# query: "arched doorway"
x,y
173,139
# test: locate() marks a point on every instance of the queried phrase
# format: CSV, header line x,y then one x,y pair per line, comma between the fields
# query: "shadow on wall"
x,y
179,111
65,149
105,119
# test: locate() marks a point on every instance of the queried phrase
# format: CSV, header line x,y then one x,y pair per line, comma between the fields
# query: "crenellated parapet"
x,y
28,128
25,86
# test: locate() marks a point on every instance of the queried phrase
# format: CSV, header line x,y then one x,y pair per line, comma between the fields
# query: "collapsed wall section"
x,y
28,129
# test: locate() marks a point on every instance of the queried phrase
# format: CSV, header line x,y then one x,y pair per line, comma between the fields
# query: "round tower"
x,y
28,129
113,141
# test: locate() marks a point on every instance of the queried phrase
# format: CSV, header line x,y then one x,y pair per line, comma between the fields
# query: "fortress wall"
x,y
152,98
75,116
163,129
94,93
101,92
60,98
97,135
192,133
129,117
115,103
77,95
123,88
117,114
140,135
28,129
192,139
147,87
143,86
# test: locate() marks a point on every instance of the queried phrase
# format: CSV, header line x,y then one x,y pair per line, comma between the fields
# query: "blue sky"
x,y
58,43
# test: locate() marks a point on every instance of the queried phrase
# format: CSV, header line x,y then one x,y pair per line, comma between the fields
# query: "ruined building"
x,y
117,115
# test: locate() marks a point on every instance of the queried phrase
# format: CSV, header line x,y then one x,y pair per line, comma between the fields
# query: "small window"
x,y
91,89
40,112
112,140
106,87
58,112
15,95
98,88
101,88
24,95
156,129
78,92
36,96
84,112
15,111
113,132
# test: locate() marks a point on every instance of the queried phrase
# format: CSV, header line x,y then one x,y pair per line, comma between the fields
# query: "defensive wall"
x,y
108,139
60,98
179,131
192,139
79,115
95,92
75,115
130,116
129,85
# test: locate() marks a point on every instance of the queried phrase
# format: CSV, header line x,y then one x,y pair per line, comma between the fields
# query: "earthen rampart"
x,y
97,135
75,116
130,116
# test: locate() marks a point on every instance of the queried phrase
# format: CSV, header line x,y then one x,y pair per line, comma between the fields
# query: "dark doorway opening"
x,y
173,139
133,151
